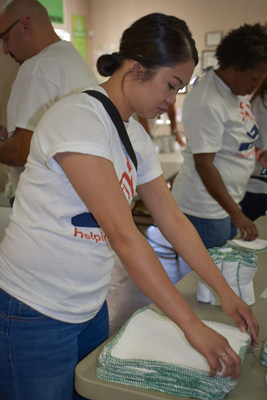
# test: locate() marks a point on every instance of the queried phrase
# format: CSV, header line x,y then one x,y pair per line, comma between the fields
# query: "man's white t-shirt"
x,y
54,257
42,80
215,121
260,113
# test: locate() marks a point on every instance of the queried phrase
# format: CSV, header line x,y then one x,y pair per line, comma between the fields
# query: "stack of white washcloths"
x,y
238,268
151,352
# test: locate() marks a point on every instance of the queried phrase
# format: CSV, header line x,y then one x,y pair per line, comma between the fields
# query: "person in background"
x,y
50,69
254,203
150,125
72,212
221,139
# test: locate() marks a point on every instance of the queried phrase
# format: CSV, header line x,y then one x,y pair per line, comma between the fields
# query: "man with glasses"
x,y
50,68
3,36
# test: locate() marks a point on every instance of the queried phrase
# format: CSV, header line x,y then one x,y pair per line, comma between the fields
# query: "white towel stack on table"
x,y
238,268
253,246
151,352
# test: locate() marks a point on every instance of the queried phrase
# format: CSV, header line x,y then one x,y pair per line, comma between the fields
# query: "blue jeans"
x,y
214,232
38,354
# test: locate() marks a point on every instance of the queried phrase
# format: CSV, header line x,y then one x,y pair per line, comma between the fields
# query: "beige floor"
x,y
124,297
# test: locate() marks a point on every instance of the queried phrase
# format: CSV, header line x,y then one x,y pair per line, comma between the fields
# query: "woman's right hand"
x,y
215,348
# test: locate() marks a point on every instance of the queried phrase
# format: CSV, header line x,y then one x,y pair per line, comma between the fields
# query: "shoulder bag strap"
x,y
117,120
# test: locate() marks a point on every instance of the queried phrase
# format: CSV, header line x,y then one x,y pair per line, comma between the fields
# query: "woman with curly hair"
x,y
221,139
254,203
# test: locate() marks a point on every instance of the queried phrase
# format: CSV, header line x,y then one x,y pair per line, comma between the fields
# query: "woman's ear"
x,y
136,69
136,66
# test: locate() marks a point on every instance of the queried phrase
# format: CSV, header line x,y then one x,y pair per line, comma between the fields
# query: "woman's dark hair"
x,y
244,47
155,40
261,91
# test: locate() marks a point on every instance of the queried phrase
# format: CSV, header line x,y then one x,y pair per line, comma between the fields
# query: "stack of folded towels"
x,y
238,268
151,352
253,246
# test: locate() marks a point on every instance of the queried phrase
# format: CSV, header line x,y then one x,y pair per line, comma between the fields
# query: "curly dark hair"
x,y
155,40
244,47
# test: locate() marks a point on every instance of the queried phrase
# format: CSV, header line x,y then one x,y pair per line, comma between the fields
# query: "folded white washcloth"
x,y
238,268
151,352
253,246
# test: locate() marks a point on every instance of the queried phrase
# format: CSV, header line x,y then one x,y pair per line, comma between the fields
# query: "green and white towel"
x,y
151,352
238,268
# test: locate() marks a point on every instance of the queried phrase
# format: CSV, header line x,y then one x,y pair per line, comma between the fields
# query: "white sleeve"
x,y
260,114
204,129
150,167
30,98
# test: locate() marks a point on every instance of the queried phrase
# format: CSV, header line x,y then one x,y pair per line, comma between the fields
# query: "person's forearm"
x,y
145,269
144,123
181,234
15,149
261,157
190,247
214,184
8,154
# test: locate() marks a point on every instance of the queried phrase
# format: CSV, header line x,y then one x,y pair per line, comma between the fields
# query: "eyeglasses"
x,y
2,40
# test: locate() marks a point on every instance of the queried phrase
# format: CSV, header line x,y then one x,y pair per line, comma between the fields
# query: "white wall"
x,y
111,17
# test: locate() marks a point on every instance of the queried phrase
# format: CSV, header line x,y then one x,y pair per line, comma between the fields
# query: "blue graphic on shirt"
x,y
85,219
253,134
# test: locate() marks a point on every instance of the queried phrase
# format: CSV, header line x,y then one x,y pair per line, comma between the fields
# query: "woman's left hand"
x,y
242,314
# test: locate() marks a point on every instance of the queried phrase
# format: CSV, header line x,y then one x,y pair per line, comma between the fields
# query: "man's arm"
x,y
144,123
174,129
15,149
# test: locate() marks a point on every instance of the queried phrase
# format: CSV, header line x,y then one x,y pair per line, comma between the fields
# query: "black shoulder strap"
x,y
117,120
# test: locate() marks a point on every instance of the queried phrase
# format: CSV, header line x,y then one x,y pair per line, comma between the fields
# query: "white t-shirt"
x,y
260,113
215,121
55,72
53,256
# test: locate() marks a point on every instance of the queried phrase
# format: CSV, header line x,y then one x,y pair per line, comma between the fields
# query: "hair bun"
x,y
108,63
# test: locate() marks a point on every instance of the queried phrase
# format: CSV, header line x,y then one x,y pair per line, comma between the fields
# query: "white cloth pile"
x,y
151,352
238,268
253,246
